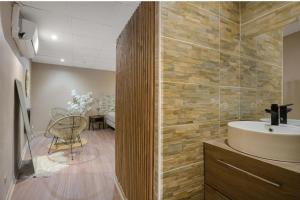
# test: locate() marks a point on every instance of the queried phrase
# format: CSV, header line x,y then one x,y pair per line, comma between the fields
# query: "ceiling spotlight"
x,y
54,37
62,60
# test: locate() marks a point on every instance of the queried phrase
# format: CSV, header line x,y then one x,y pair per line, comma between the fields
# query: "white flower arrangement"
x,y
80,104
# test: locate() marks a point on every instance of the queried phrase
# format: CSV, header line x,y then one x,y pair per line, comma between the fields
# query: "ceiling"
x,y
292,28
86,31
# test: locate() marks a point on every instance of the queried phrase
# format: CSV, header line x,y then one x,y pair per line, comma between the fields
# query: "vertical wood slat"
x,y
135,104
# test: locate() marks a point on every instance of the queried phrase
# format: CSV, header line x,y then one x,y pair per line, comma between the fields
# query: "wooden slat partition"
x,y
135,104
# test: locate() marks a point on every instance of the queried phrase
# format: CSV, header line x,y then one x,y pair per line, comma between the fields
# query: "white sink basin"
x,y
254,138
295,122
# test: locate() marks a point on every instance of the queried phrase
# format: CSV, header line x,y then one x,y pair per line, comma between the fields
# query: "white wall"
x,y
52,86
12,67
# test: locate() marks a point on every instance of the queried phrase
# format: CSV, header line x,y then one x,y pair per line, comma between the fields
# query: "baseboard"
x,y
10,190
119,188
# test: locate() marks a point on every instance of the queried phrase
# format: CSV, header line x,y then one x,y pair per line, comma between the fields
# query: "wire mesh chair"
x,y
68,129
55,114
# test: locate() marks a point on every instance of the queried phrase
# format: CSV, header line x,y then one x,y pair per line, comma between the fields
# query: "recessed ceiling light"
x,y
62,60
54,37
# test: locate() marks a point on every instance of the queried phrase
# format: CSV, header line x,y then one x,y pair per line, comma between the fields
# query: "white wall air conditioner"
x,y
25,34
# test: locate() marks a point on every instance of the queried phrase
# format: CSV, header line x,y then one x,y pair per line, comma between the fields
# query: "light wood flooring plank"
x,y
85,181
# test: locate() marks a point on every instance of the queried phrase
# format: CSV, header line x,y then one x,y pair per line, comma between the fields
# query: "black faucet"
x,y
274,111
283,113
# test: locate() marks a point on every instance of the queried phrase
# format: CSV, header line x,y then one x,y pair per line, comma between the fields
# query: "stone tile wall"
x,y
200,45
215,68
261,54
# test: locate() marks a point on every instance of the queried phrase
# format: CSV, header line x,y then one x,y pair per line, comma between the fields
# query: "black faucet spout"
x,y
274,111
284,110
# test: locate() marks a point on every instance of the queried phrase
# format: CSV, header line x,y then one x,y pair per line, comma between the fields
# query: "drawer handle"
x,y
249,173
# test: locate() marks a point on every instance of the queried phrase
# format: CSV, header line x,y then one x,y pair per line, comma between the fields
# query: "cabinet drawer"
x,y
238,176
212,194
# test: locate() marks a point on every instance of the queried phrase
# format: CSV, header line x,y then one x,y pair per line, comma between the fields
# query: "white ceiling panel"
x,y
292,28
48,21
54,7
54,60
92,30
95,12
102,43
86,31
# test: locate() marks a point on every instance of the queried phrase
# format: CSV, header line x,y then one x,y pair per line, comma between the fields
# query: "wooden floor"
x,y
89,180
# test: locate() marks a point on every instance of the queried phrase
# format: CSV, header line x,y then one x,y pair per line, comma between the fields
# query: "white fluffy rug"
x,y
44,166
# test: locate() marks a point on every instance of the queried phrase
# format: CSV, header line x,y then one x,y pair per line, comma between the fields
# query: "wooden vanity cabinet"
x,y
230,174
211,193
